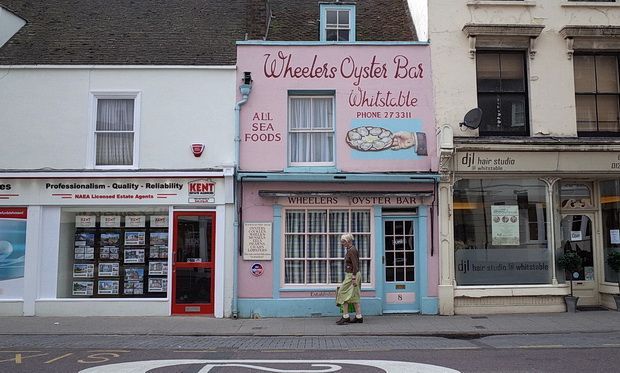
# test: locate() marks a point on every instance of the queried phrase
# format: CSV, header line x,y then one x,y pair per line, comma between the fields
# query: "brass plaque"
x,y
401,287
192,309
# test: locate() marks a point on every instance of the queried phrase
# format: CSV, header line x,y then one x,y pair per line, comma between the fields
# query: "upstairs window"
x,y
502,93
337,22
311,130
597,95
115,135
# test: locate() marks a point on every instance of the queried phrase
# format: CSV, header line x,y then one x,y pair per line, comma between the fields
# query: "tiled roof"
x,y
154,32
376,20
182,32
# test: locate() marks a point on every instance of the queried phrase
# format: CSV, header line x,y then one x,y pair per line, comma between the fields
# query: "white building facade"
x,y
534,173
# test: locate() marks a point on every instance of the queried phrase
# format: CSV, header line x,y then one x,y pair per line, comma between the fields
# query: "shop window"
x,y
610,212
501,232
575,196
115,133
311,130
597,95
113,254
337,22
312,251
502,93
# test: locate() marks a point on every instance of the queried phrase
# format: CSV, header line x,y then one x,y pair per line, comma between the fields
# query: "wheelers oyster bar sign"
x,y
110,191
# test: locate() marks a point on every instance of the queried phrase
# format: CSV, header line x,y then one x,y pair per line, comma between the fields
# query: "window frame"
x,y
95,96
323,22
597,94
306,233
319,95
525,93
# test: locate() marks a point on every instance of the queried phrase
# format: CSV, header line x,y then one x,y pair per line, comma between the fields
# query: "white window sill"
x,y
586,4
512,291
501,3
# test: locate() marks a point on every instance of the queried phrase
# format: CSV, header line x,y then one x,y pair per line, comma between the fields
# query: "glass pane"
x,y
584,74
332,17
317,221
491,115
336,271
586,113
512,73
335,249
300,113
389,274
400,274
575,196
317,272
360,221
504,113
295,221
410,273
294,271
193,285
322,147
488,72
322,113
398,228
339,221
331,35
389,258
114,149
362,243
409,258
610,211
343,35
194,238
576,234
607,113
606,74
343,18
317,246
365,269
114,115
295,246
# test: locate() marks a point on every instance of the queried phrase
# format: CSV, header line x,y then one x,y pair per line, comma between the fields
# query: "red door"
x,y
193,265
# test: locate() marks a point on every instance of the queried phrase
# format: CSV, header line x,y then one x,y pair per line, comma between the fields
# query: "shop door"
x,y
193,265
577,237
399,265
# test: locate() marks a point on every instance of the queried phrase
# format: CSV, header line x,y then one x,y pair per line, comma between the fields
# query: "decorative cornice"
x,y
589,31
502,36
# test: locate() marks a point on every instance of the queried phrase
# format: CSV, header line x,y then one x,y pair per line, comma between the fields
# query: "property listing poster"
x,y
12,251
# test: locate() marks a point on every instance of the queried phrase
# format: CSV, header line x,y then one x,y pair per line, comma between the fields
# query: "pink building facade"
x,y
336,139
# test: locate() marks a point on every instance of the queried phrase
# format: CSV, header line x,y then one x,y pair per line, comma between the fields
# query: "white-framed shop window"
x,y
312,254
115,123
337,23
311,130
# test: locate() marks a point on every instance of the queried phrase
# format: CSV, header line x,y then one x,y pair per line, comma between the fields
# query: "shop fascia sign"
x,y
503,161
140,191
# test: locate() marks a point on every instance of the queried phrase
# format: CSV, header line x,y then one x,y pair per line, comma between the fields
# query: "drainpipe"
x,y
245,89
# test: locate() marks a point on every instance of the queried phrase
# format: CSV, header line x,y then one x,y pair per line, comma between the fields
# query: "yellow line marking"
x,y
18,358
543,346
58,358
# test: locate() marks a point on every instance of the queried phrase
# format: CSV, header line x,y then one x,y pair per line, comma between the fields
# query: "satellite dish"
x,y
472,119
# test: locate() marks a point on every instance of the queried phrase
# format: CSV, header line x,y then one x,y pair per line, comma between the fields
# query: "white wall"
x,y
45,115
419,13
551,85
9,25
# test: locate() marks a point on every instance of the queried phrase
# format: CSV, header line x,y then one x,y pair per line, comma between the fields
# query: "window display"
x,y
117,255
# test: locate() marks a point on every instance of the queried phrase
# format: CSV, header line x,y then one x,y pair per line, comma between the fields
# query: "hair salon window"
x,y
500,232
597,95
502,93
610,213
311,130
115,135
313,254
337,22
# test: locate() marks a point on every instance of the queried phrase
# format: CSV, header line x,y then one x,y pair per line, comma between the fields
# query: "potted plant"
x,y
613,260
570,262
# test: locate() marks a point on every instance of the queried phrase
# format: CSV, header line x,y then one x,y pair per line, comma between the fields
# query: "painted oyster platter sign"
x,y
352,107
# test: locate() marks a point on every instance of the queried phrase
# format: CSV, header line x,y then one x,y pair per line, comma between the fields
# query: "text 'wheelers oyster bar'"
x,y
114,246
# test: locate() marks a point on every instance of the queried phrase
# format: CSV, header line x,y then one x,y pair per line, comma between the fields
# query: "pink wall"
x,y
376,86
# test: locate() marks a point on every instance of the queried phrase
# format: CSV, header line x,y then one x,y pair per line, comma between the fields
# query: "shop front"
x,y
148,245
513,213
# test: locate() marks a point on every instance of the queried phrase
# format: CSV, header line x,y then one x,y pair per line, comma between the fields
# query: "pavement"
x,y
458,326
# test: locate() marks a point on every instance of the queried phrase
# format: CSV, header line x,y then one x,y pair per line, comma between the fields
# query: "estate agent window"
x,y
312,251
115,130
311,130
502,93
597,95
500,232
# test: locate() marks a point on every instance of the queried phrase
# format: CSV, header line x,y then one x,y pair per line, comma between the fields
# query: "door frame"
x,y
205,308
415,286
587,291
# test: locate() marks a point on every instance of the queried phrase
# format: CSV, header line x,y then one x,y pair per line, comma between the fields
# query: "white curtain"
x,y
312,130
114,132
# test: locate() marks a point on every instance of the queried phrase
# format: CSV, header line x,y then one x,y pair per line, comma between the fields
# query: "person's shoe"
x,y
342,321
357,320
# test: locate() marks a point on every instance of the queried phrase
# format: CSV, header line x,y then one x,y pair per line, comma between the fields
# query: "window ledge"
x,y
331,288
502,36
587,4
512,291
475,3
312,169
589,37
